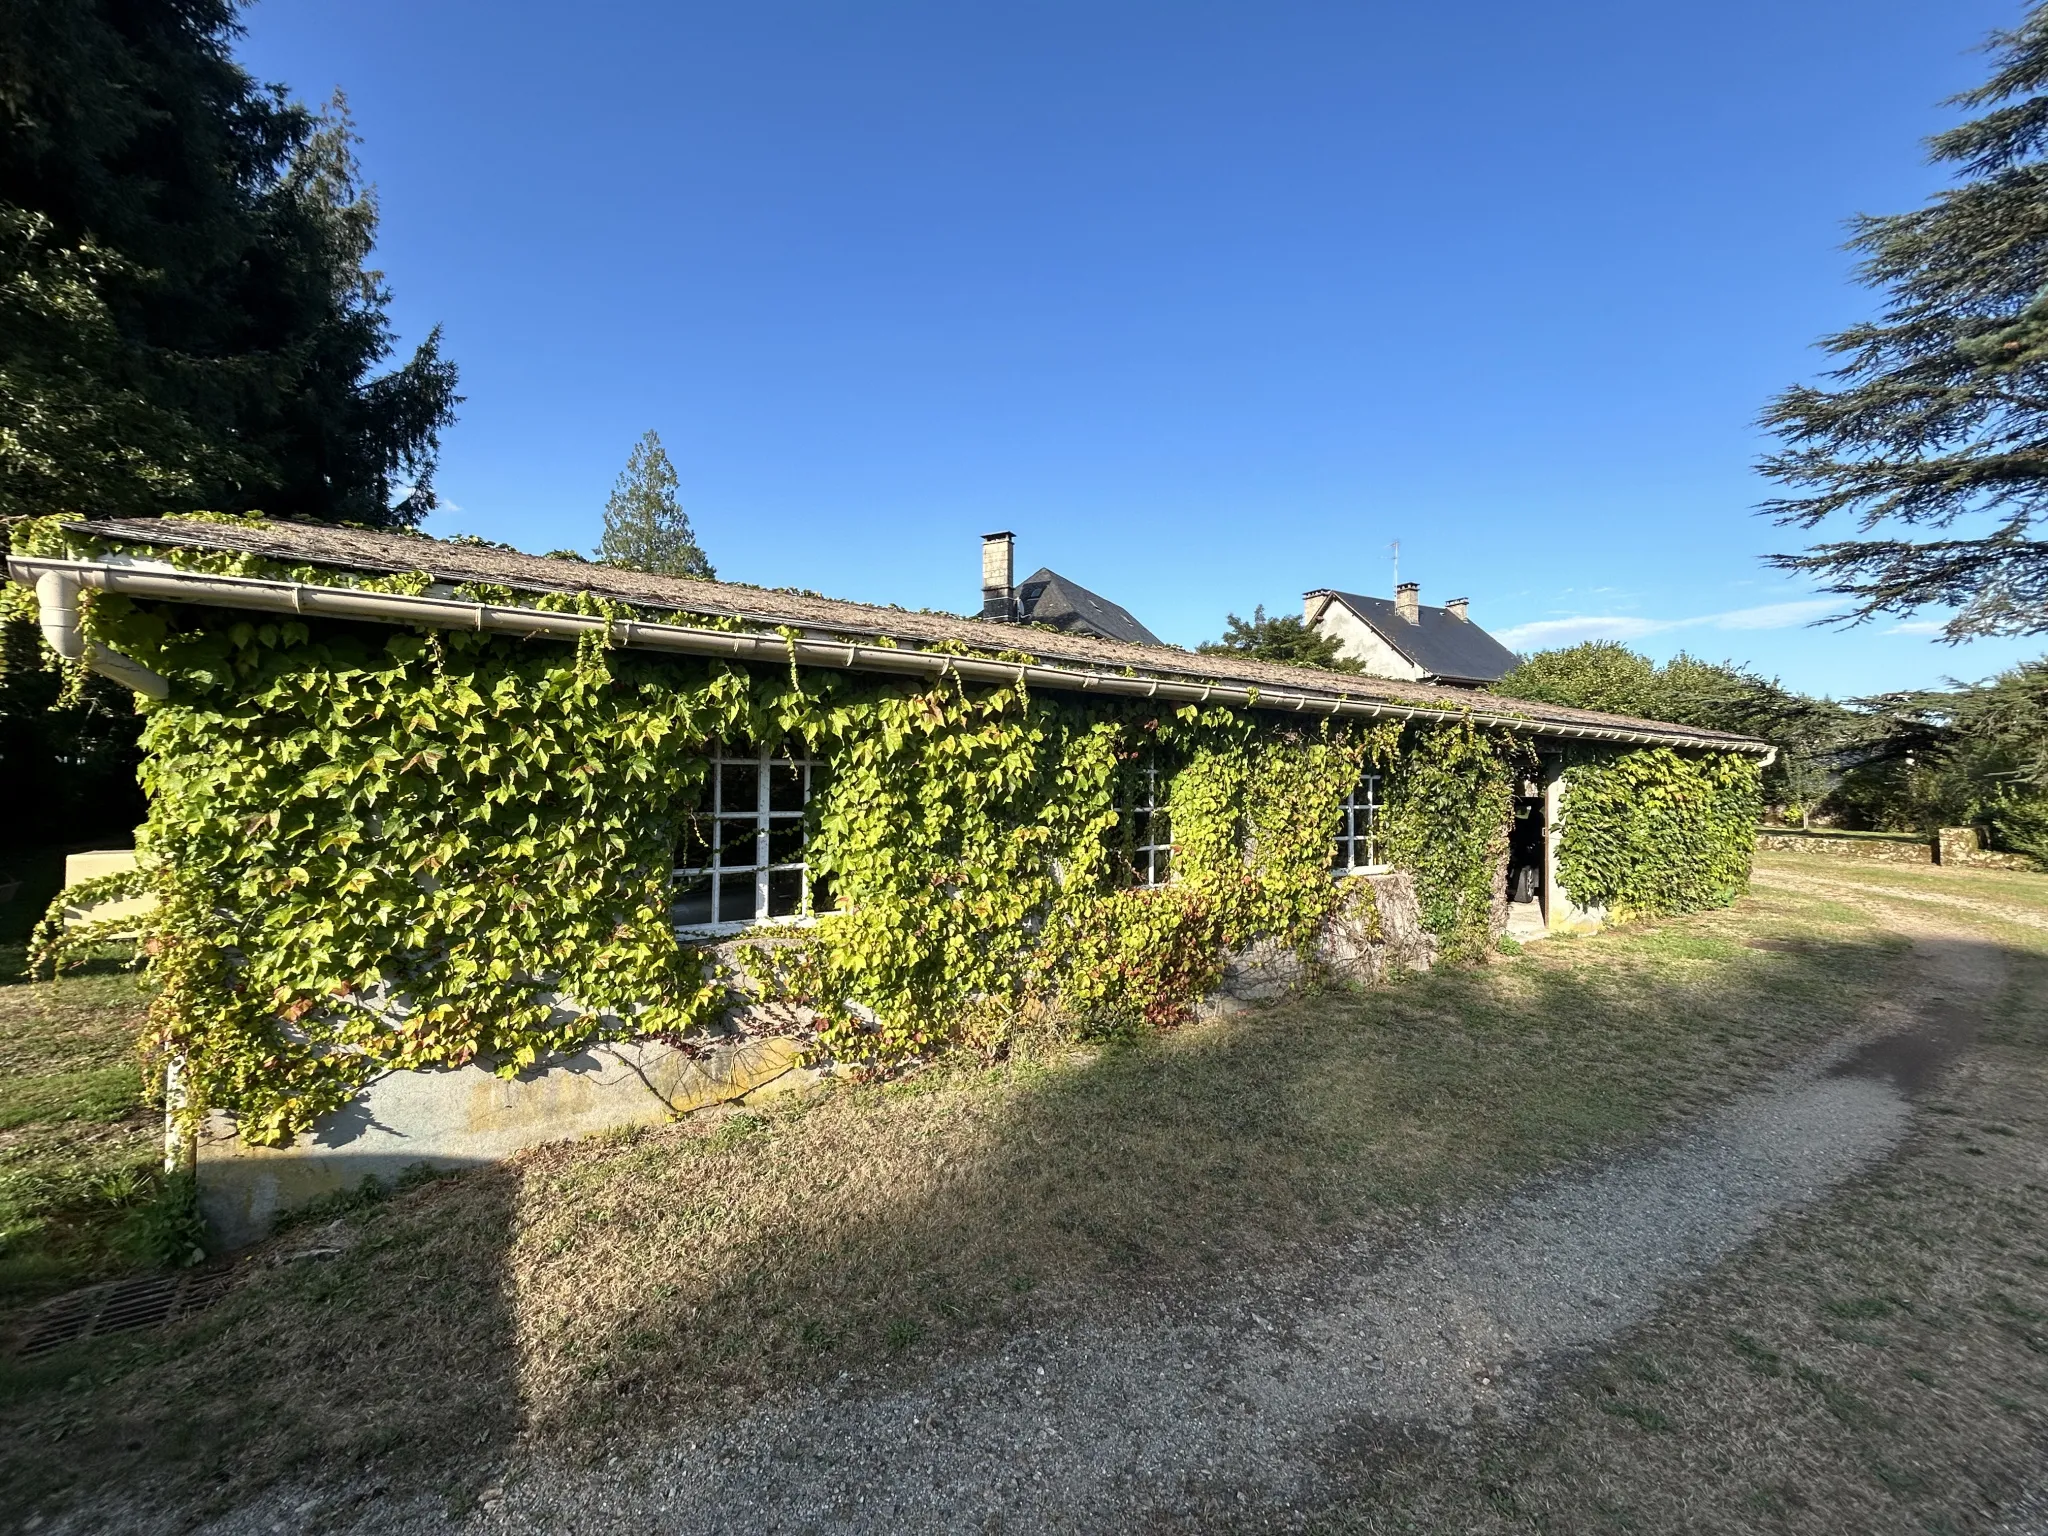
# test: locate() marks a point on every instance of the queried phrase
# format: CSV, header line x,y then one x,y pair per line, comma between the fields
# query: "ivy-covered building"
x,y
423,807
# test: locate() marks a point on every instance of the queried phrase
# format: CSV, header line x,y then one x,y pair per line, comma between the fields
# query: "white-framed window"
x,y
740,858
1358,830
1144,828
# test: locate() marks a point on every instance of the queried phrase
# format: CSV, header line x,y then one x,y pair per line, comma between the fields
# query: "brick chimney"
x,y
1456,609
999,576
1408,601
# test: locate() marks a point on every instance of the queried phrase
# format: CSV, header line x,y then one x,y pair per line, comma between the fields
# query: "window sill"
x,y
696,931
1363,869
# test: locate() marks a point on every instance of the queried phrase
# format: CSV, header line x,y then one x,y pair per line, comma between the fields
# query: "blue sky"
x,y
1210,303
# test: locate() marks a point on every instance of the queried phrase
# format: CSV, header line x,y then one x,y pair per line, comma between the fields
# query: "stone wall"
x,y
1965,846
1376,933
1886,848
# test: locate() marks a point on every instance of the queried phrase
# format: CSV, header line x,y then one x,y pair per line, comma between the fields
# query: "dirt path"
x,y
1810,884
1154,1414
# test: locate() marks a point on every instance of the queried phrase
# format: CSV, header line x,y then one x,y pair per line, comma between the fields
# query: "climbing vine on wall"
x,y
1449,799
379,848
1654,831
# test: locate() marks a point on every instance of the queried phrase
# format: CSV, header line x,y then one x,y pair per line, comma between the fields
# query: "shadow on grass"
x,y
591,1291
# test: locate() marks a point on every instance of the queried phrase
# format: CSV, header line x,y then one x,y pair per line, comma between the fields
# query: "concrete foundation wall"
x,y
465,1117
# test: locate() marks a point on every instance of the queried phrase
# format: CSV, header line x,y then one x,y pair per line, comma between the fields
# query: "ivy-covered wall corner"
x,y
1651,831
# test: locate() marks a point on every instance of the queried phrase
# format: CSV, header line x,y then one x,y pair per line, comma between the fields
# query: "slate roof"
x,y
1454,649
355,549
1046,597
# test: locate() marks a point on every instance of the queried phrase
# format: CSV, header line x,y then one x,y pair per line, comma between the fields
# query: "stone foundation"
x,y
1375,933
466,1116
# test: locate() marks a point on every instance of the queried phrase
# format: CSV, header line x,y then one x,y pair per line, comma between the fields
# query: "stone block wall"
x,y
1904,848
1965,846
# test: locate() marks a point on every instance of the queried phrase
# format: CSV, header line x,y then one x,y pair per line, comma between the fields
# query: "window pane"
x,y
1162,865
739,787
1141,828
1342,860
1162,827
785,786
823,897
786,840
736,899
692,902
737,846
785,893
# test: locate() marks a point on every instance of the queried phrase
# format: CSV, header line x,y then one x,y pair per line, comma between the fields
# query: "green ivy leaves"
x,y
1652,831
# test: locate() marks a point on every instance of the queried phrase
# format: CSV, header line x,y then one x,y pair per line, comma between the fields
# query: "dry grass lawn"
x,y
588,1291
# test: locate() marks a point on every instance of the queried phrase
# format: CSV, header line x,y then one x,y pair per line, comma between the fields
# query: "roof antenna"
x,y
1396,547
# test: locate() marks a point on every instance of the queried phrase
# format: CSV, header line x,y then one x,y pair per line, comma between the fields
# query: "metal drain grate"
x,y
149,1301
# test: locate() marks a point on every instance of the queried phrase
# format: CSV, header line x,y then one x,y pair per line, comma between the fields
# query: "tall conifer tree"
x,y
187,319
1932,438
645,527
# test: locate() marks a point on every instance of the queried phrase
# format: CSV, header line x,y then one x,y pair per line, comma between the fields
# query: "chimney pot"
x,y
1408,601
1456,609
998,576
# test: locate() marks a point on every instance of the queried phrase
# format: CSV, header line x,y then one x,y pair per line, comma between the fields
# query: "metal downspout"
x,y
57,600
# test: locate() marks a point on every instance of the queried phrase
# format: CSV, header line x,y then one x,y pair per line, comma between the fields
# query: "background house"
x,y
1403,639
1048,598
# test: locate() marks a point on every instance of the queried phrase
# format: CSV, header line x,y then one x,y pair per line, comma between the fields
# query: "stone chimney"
x,y
1408,601
1456,609
1311,602
999,576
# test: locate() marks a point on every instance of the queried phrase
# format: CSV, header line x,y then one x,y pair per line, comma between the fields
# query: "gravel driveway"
x,y
1157,1415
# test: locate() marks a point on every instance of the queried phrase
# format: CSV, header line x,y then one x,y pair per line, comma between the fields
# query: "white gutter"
x,y
292,597
57,596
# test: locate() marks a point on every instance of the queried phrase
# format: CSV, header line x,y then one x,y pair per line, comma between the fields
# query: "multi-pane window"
x,y
1358,829
741,855
1146,828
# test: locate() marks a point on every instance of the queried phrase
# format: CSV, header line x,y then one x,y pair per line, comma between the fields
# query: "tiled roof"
x,y
354,549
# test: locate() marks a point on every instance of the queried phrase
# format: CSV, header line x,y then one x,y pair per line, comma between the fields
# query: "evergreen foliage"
x,y
1974,755
645,527
1937,419
1285,639
187,319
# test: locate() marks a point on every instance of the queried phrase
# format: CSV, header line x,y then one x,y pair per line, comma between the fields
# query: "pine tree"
x,y
187,319
1938,418
645,527
1285,639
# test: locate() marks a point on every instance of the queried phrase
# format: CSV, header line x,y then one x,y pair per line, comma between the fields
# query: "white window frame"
x,y
1148,857
1363,801
765,820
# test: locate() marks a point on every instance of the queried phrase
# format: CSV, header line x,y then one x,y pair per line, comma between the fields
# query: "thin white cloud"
x,y
1917,627
1548,634
1772,615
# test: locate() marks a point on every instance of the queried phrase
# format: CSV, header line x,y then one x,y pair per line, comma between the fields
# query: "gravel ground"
x,y
1158,1413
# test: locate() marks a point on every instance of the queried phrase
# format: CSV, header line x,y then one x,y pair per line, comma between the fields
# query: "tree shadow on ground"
x,y
591,1292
